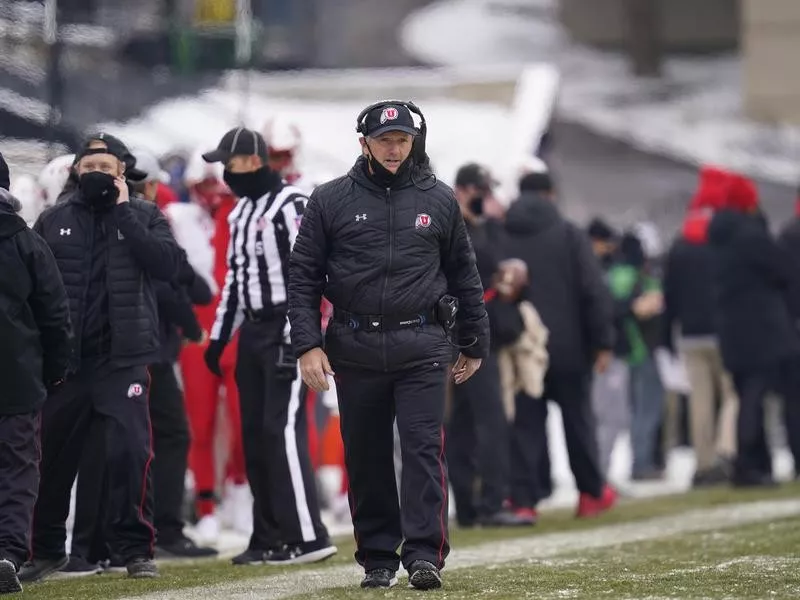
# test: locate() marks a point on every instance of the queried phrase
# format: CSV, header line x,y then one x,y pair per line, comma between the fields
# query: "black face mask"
x,y
383,176
98,189
251,185
476,206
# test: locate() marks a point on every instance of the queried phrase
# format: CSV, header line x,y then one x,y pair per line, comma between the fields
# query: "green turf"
x,y
754,561
182,575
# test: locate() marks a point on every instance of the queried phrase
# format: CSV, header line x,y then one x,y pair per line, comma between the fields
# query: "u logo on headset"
x,y
418,146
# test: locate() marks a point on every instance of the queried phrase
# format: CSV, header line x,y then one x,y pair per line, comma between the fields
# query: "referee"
x,y
286,523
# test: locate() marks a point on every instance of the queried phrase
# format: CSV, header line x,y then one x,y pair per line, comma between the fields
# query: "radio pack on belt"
x,y
446,311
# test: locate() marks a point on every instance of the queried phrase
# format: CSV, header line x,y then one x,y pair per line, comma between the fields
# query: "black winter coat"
x,y
789,240
35,332
689,291
384,251
141,248
753,276
567,286
176,316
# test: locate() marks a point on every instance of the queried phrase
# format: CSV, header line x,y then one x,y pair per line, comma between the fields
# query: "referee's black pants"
x,y
119,399
369,403
275,437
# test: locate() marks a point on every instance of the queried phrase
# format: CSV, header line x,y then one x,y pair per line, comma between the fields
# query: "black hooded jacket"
x,y
567,283
754,277
35,333
374,250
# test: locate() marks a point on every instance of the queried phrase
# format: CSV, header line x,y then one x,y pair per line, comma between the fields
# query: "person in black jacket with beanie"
x,y
34,354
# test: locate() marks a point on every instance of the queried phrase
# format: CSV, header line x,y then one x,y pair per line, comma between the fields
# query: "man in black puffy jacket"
x,y
34,354
108,248
387,244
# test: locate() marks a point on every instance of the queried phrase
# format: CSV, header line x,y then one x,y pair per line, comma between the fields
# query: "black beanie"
x,y
630,247
598,229
5,178
536,182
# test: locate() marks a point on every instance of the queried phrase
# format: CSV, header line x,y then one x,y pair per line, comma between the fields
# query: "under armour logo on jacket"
x,y
362,217
66,232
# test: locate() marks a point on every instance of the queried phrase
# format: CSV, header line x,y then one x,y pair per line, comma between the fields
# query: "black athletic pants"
x,y
275,436
477,444
369,403
118,398
753,457
529,438
19,483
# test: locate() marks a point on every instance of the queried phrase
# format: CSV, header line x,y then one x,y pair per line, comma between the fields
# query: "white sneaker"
x,y
206,532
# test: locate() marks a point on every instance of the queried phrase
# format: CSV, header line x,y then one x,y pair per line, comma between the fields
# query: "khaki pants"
x,y
706,375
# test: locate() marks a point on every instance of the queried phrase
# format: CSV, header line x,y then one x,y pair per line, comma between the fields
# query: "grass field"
x,y
595,574
755,561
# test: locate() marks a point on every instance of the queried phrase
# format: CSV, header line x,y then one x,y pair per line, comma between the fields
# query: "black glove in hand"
x,y
212,356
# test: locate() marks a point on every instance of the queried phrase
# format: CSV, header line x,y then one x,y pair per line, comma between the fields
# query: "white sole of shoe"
x,y
311,557
75,574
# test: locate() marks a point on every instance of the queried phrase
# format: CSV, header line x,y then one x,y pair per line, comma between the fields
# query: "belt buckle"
x,y
375,323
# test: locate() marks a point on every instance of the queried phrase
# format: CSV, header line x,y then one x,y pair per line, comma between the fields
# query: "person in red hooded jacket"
x,y
202,388
689,312
756,325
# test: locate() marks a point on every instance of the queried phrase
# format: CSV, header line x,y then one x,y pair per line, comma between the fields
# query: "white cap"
x,y
146,162
54,177
650,238
281,134
197,169
533,164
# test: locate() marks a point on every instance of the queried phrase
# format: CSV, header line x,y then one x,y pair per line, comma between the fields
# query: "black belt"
x,y
384,322
265,314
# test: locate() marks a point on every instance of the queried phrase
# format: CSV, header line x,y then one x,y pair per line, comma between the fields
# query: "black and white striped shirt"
x,y
262,236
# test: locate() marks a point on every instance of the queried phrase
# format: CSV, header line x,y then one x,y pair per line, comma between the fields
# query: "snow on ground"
x,y
534,548
694,113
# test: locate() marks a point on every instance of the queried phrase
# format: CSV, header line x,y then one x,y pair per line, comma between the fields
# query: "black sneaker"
x,y
253,557
9,582
509,518
303,553
141,568
40,568
183,547
379,578
78,567
424,575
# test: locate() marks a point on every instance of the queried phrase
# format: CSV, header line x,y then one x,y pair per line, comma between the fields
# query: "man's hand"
x,y
122,187
315,368
212,356
465,368
603,361
648,305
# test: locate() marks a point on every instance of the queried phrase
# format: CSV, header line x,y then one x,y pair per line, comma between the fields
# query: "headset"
x,y
418,146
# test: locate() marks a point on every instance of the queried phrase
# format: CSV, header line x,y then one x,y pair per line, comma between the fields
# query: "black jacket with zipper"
x,y
374,250
35,332
140,249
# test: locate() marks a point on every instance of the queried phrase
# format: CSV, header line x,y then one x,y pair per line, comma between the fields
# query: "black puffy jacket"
x,y
141,248
384,251
35,333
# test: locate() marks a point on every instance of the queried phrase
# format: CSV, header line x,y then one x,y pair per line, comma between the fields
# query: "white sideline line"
x,y
535,547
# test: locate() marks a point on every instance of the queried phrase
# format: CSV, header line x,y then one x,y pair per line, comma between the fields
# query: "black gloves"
x,y
212,356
